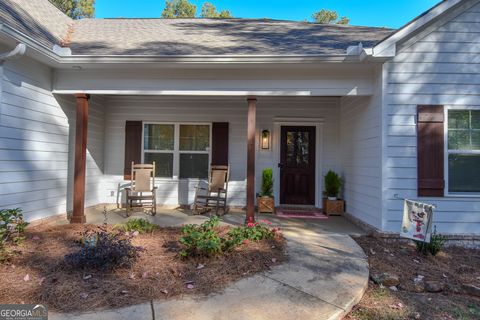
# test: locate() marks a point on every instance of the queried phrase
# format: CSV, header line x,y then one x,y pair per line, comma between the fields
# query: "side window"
x,y
463,151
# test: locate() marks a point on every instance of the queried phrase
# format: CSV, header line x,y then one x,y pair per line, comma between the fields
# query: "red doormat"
x,y
304,214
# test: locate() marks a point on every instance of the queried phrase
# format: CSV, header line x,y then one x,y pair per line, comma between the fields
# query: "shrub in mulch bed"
x,y
105,250
38,271
207,239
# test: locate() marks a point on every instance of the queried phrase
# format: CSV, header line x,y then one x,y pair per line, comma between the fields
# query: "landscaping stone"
x,y
386,279
419,287
418,279
471,290
434,286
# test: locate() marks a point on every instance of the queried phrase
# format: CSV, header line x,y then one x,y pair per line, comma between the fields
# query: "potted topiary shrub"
x,y
331,204
265,200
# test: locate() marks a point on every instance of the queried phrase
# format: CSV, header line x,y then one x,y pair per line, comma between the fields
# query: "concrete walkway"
x,y
326,275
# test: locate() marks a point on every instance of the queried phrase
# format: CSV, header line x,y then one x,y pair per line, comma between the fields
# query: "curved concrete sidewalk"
x,y
326,275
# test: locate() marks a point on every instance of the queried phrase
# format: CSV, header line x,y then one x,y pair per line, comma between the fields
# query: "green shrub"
x,y
12,226
253,231
434,247
201,239
141,225
205,240
103,250
267,182
332,183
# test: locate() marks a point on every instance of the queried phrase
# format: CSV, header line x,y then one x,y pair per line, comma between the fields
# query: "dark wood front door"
x,y
297,165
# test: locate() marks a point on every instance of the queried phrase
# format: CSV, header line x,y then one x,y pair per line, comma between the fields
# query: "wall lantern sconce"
x,y
265,140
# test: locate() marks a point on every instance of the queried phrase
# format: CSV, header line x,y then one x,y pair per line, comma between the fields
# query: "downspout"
x,y
13,54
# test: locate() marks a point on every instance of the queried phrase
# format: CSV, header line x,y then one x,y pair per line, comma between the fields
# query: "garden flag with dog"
x,y
417,221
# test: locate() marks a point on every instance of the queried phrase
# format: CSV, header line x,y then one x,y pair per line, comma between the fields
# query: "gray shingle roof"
x,y
183,36
216,37
38,19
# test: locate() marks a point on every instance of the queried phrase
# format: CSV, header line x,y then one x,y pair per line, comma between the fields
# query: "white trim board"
x,y
312,122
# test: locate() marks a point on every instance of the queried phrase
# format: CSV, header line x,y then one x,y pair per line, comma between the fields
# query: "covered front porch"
x,y
332,123
319,115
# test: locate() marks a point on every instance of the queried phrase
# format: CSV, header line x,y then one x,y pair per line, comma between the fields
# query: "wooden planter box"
x,y
333,207
266,204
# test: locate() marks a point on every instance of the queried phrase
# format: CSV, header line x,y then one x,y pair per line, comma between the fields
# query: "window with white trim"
x,y
463,149
179,150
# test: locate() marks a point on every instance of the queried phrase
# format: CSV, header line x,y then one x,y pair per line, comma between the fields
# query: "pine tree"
x,y
76,9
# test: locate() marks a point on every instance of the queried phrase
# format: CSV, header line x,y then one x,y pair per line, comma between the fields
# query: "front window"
x,y
463,151
179,150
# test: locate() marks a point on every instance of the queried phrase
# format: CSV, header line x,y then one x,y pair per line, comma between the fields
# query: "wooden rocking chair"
x,y
142,192
214,193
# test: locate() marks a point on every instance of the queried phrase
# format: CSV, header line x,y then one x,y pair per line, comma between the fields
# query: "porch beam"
x,y
251,127
81,127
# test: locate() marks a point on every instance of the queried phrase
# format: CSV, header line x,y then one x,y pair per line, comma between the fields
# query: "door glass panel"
x,y
297,153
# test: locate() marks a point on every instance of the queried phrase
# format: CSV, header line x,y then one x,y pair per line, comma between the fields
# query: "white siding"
x,y
360,132
204,109
441,68
34,142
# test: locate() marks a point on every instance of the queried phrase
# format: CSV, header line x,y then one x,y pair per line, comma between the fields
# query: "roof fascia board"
x,y
387,48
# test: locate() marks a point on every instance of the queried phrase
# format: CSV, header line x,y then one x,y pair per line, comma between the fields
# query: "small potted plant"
x,y
265,200
331,204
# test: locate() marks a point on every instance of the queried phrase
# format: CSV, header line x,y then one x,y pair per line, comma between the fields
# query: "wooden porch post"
x,y
80,159
252,110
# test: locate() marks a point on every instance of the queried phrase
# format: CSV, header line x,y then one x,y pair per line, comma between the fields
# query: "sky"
x,y
379,13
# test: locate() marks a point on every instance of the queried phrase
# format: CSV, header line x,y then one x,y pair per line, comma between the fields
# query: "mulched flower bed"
x,y
37,273
450,270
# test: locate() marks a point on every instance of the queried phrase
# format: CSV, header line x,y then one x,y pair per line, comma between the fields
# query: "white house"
x,y
395,112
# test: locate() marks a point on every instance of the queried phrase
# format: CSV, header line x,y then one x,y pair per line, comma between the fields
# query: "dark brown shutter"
x,y
133,146
220,143
430,151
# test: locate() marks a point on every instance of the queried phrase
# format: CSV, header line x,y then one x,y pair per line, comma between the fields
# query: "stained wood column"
x,y
251,125
80,159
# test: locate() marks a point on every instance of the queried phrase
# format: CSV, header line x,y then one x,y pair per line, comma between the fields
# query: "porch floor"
x,y
176,217
325,276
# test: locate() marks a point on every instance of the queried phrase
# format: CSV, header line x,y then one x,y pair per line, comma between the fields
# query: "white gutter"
x,y
14,54
359,51
62,57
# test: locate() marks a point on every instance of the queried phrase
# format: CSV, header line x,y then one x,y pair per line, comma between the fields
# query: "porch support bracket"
x,y
251,127
78,215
